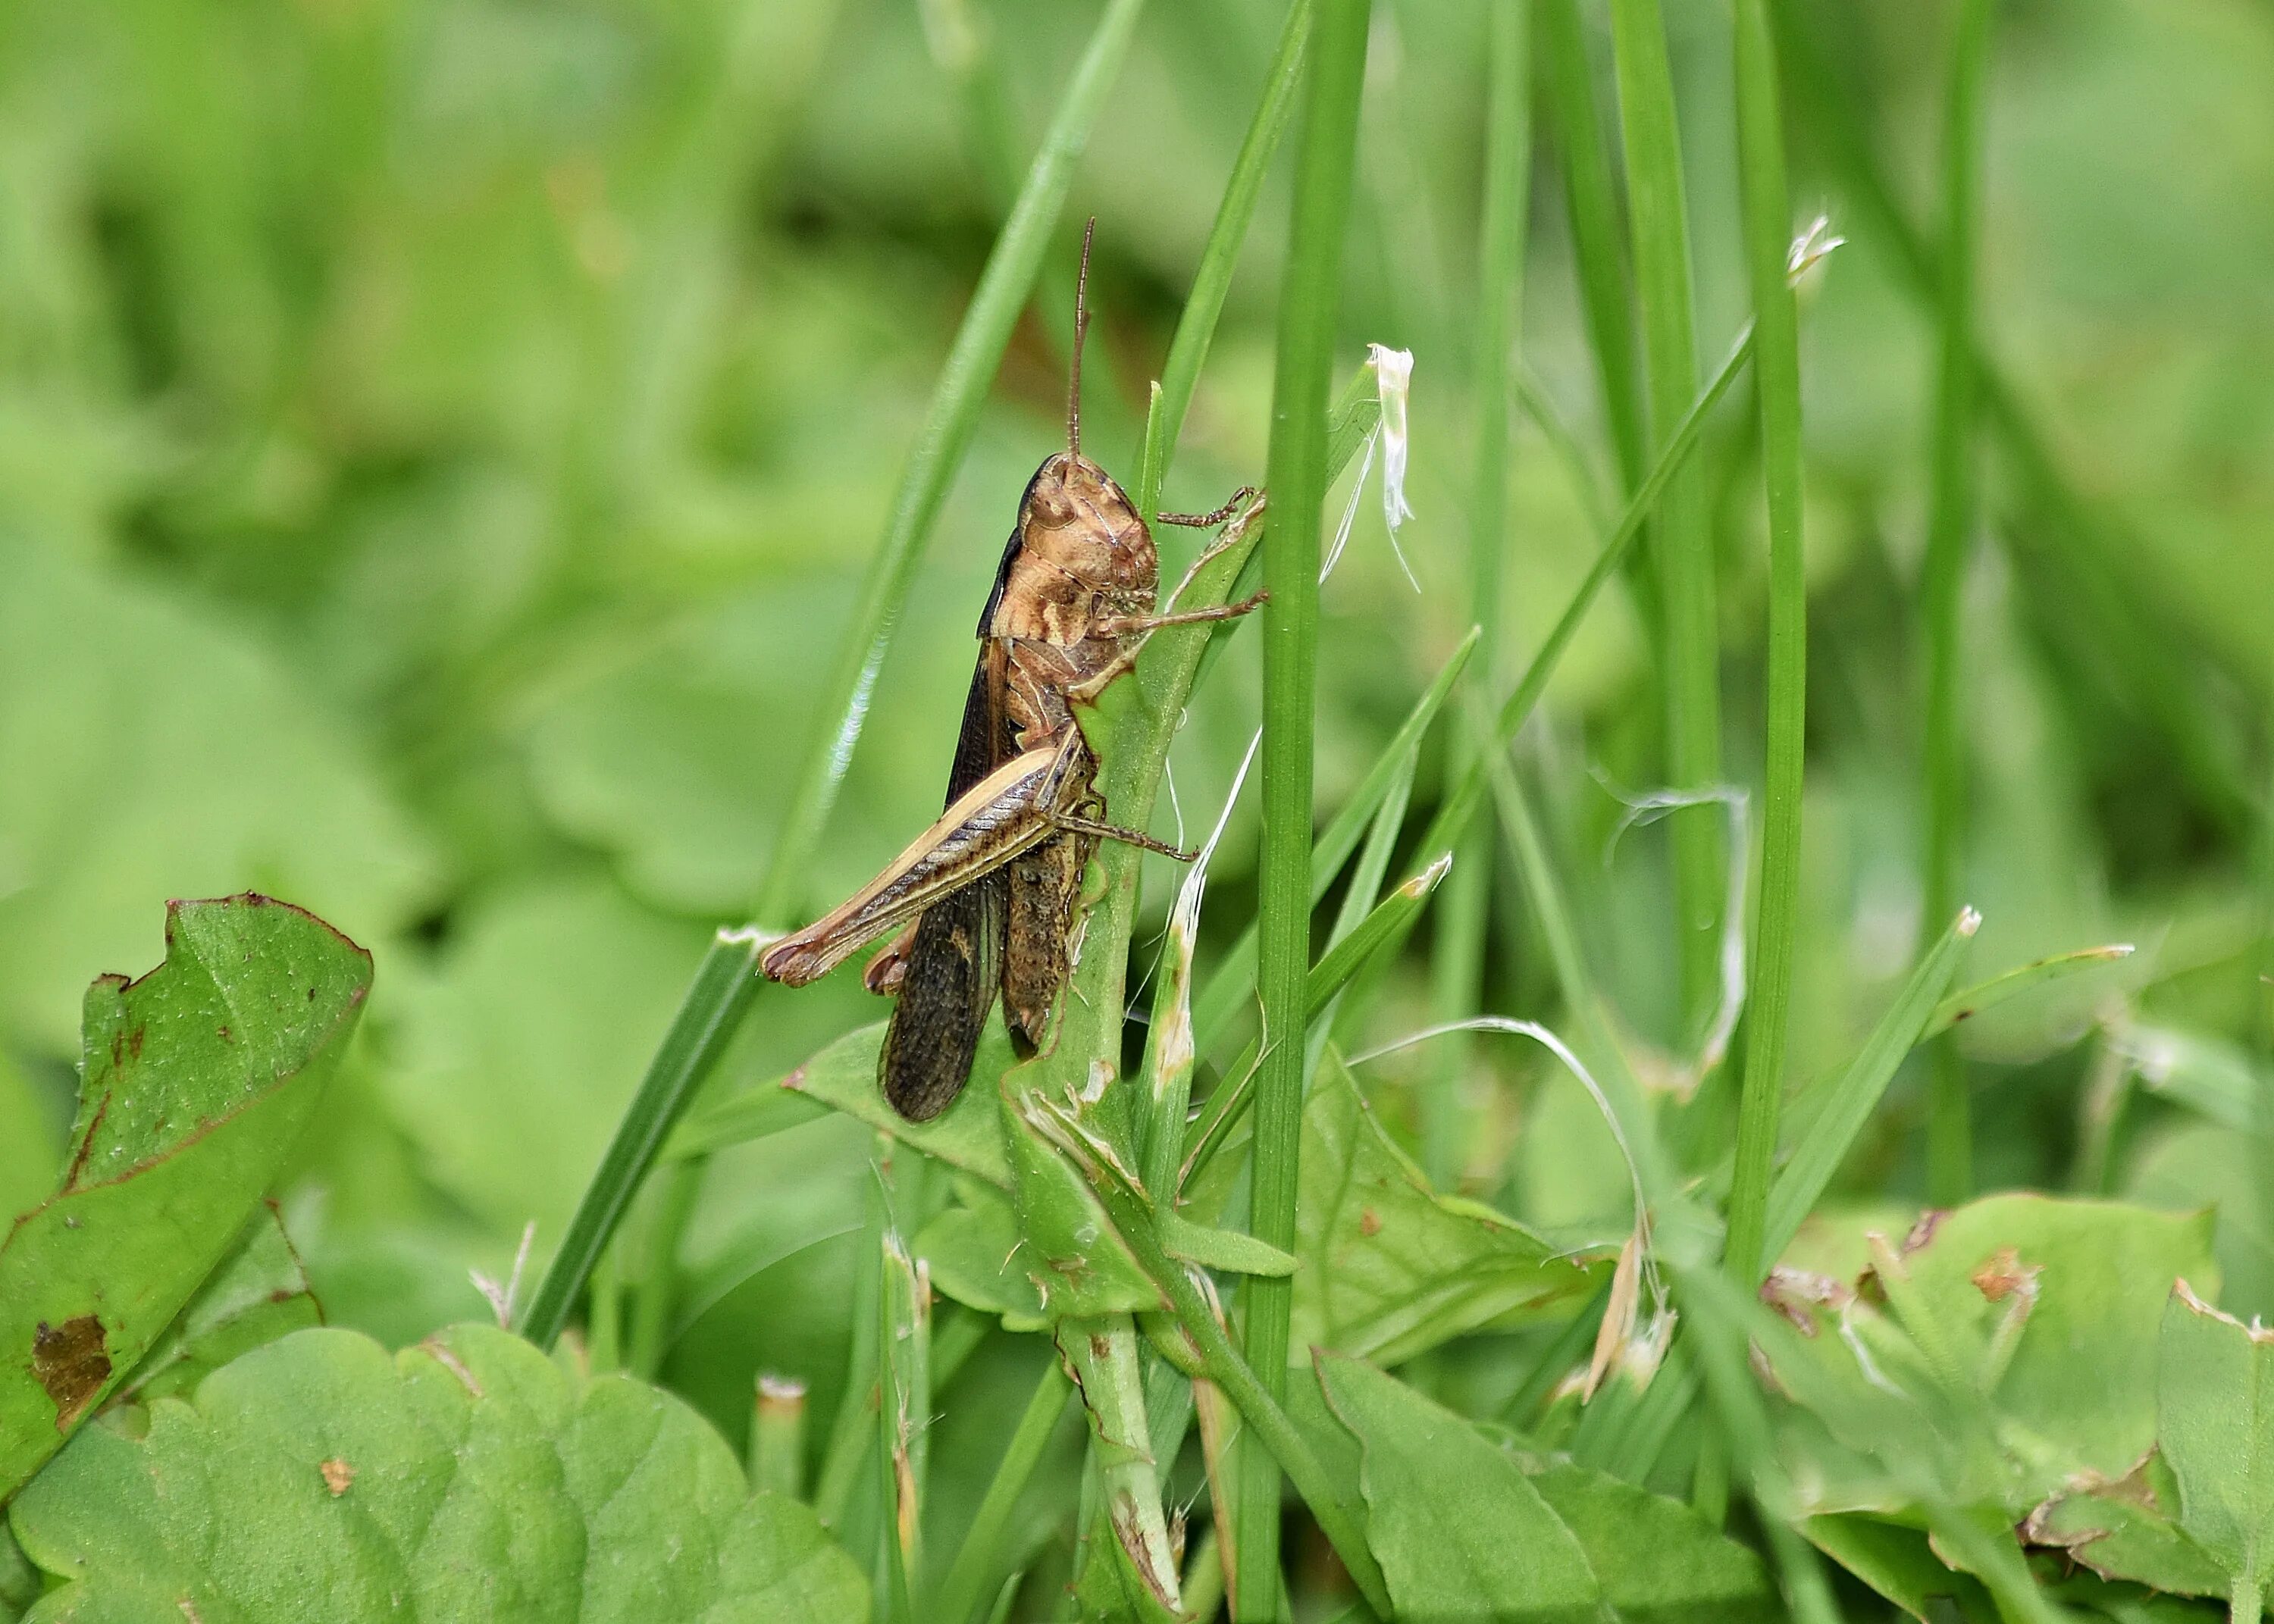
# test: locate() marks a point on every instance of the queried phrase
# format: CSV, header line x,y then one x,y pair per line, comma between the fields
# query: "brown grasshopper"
x,y
987,894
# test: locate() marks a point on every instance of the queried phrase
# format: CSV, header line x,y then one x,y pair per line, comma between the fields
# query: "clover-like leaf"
x,y
466,1478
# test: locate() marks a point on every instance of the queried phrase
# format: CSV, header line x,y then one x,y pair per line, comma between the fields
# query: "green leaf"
x,y
258,1294
2124,1529
197,1081
972,1251
2215,1415
1897,1563
148,749
1386,1267
968,1135
2041,1315
1969,1002
1660,1562
468,1478
1229,1249
1460,1532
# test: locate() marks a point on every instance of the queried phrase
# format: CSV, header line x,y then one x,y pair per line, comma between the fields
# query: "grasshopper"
x,y
984,899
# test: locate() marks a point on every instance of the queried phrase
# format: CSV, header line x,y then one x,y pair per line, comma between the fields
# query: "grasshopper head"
x,y
1076,518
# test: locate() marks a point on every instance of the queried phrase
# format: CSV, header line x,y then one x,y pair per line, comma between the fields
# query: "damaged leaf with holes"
x,y
196,1081
468,1478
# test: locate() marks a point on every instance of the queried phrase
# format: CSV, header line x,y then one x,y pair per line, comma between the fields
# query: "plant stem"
x,y
778,1437
978,1564
1459,969
725,983
1950,1137
1776,373
1659,221
1296,467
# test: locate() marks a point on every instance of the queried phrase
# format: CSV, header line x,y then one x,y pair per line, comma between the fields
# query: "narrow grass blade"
x,y
1689,656
1776,373
1295,475
1458,953
723,985
1212,278
903,1417
1592,199
1969,1002
1848,1104
1235,977
1949,1132
972,1578
1380,932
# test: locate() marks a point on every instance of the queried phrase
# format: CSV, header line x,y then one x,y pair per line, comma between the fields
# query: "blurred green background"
x,y
439,440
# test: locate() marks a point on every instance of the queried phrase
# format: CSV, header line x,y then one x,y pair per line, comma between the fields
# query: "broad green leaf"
x,y
1387,1267
197,1080
968,1135
1659,1561
467,1478
2000,1351
2126,1530
2215,1400
1458,1529
149,749
972,1249
258,1294
1899,1563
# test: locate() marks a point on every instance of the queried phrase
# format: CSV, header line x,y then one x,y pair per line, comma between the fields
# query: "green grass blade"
x,y
1212,278
1689,656
971,1579
1969,1002
1295,475
1459,955
1847,1103
1776,373
1234,978
1949,1133
724,986
1374,937
2112,602
1591,197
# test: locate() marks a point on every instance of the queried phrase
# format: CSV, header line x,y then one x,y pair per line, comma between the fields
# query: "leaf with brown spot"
x,y
176,1140
71,1362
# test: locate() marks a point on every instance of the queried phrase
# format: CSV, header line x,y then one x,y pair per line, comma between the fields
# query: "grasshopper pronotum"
x,y
987,894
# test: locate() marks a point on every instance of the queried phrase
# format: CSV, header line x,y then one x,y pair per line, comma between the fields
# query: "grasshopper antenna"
x,y
1081,332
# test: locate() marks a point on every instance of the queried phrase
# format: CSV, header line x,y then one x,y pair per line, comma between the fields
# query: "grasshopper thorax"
x,y
1077,521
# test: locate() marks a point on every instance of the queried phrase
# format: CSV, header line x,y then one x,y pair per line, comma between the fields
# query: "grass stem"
x,y
1458,967
1776,371
1295,469
1658,221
